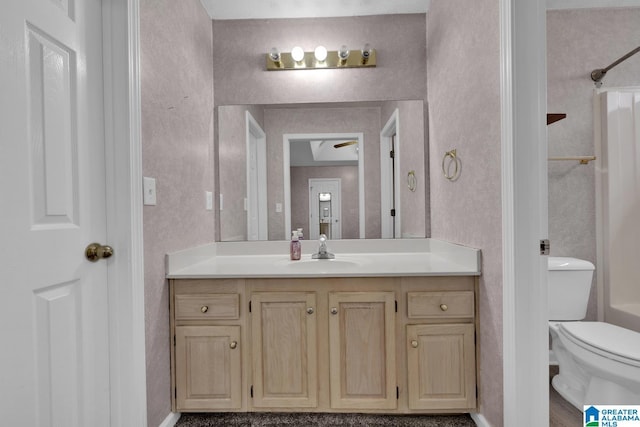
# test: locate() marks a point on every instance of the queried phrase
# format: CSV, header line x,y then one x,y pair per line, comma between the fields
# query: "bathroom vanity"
x,y
371,331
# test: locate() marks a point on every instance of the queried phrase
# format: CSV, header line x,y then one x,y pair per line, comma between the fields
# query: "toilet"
x,y
599,362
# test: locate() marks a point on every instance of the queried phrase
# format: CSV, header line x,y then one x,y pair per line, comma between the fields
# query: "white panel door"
x,y
54,368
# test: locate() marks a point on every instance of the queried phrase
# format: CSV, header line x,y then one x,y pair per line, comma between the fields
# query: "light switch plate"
x,y
209,198
149,191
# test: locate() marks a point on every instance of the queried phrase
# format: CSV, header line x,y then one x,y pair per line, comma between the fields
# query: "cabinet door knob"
x,y
334,310
204,309
233,345
309,310
444,307
414,343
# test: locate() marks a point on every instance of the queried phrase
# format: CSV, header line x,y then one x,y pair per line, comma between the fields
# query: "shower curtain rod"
x,y
598,74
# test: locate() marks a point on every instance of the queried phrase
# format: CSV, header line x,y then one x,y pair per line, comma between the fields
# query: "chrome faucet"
x,y
322,249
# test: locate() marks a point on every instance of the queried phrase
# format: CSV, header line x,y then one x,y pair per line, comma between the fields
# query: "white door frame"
x,y
123,158
253,129
390,128
287,139
524,210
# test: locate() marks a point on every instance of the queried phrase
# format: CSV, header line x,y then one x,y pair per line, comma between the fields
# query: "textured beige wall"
x,y
240,47
463,63
177,150
579,41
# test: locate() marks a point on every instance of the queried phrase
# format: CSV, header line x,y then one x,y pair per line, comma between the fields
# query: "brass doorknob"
x,y
204,309
334,310
444,307
233,345
96,251
309,310
414,343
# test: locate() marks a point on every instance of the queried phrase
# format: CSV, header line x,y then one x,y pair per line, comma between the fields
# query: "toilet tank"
x,y
569,286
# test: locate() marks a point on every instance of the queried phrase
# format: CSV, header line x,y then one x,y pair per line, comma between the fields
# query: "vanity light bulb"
x,y
366,51
320,53
343,53
297,54
274,54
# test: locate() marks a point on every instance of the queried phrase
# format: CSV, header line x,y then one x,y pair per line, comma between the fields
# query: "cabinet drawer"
x,y
432,305
207,306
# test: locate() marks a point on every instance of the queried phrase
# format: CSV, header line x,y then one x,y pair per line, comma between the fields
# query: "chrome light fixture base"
x,y
309,62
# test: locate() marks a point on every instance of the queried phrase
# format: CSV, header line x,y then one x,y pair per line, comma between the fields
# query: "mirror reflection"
x,y
319,165
338,169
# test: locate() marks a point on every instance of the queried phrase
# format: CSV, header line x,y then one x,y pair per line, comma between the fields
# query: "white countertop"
x,y
353,258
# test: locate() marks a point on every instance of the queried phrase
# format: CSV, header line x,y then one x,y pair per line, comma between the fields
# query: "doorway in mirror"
x,y
324,157
325,208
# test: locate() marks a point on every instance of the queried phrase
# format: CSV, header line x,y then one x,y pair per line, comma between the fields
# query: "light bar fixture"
x,y
298,59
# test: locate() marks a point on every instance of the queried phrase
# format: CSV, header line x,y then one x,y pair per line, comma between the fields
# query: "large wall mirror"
x,y
339,169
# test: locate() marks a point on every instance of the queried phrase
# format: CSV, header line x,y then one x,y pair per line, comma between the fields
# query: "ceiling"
x,y
267,9
313,152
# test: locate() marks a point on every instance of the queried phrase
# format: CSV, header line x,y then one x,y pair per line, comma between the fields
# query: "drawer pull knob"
x,y
233,345
309,310
204,309
334,310
444,307
414,343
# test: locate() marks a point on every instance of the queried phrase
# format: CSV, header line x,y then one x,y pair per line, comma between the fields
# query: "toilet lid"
x,y
608,340
567,263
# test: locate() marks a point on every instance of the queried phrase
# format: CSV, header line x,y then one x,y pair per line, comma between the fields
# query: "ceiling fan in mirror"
x,y
344,144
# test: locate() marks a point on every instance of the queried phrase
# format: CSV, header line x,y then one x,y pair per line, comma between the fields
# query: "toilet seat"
x,y
607,340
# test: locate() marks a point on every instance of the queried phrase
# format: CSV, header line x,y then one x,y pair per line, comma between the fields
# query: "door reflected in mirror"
x,y
324,211
275,159
325,216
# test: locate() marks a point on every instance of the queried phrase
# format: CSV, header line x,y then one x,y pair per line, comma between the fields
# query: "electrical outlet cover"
x,y
149,191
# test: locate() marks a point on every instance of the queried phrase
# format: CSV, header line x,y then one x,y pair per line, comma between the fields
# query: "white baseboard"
x,y
479,419
171,420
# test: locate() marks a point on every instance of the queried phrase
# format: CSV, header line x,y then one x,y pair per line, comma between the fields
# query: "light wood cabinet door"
x,y
441,366
208,367
362,350
284,350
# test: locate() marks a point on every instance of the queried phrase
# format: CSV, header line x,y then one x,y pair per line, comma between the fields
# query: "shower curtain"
x,y
618,204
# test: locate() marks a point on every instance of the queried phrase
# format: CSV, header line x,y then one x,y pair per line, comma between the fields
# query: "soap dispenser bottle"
x,y
295,248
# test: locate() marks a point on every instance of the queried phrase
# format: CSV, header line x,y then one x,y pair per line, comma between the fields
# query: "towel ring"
x,y
452,156
411,180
